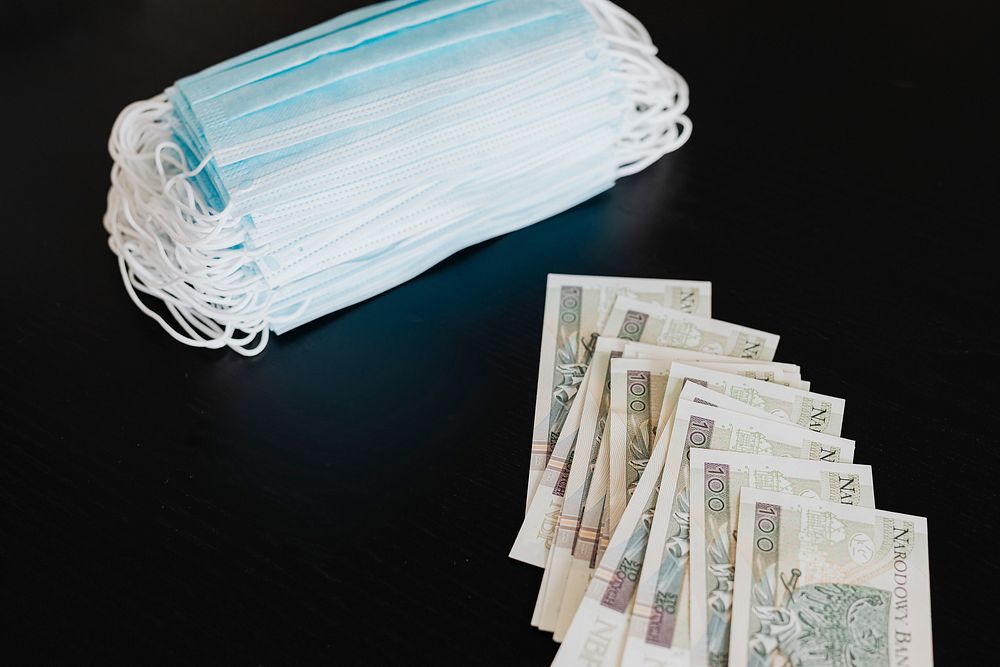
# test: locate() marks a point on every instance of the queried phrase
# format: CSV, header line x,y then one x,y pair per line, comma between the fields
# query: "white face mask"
x,y
331,165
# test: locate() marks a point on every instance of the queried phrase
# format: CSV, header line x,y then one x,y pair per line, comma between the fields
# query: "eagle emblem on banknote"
x,y
836,625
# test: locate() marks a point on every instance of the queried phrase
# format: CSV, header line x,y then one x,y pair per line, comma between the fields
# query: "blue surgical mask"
x,y
329,166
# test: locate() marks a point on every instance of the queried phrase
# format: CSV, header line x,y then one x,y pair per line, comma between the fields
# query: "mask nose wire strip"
x,y
173,245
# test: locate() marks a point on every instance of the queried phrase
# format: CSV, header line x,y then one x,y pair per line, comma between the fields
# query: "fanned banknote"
x,y
787,374
660,627
817,412
717,478
586,550
576,309
791,563
538,528
637,387
831,584
596,634
763,371
563,585
653,323
697,393
629,439
596,401
651,351
638,321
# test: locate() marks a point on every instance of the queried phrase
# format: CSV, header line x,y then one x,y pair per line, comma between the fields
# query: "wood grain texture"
x,y
355,489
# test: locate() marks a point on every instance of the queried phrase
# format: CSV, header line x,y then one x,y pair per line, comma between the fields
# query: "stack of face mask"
x,y
331,165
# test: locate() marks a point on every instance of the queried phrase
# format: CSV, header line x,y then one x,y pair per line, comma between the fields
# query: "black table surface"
x,y
352,493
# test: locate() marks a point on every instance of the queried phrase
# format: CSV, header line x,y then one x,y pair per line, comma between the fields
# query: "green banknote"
x,y
660,625
717,478
652,323
817,412
573,554
597,631
831,584
637,387
576,311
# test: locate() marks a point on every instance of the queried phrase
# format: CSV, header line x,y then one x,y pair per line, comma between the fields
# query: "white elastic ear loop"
x,y
142,137
218,338
168,199
213,302
174,270
655,125
189,320
187,340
